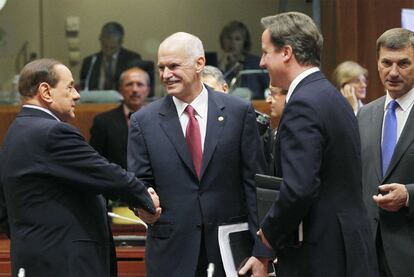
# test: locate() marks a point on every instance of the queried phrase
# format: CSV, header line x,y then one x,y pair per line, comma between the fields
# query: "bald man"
x,y
109,131
204,183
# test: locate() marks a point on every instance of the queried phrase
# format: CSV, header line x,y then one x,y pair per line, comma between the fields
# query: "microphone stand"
x,y
88,76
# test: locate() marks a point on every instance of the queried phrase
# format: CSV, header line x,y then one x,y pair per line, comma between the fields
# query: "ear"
x,y
201,61
45,92
287,52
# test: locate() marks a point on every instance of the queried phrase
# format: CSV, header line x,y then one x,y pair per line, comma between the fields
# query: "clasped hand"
x,y
391,197
146,216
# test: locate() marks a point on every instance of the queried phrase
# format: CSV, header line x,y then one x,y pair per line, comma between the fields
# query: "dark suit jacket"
x,y
159,156
50,182
397,228
125,57
109,135
319,160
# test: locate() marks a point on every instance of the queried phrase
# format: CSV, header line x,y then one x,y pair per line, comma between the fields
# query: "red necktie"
x,y
193,139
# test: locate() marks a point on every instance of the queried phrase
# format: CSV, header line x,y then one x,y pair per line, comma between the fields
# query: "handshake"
x,y
146,216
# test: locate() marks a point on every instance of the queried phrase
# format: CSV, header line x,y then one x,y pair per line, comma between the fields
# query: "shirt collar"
x,y
299,78
199,104
42,109
404,101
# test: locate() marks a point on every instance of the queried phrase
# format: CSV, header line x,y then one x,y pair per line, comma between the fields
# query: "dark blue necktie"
x,y
389,139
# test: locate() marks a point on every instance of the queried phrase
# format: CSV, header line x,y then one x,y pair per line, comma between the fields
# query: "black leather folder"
x,y
267,190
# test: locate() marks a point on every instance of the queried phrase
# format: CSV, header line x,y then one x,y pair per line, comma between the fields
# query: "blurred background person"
x,y
276,100
101,70
109,131
351,80
235,43
213,77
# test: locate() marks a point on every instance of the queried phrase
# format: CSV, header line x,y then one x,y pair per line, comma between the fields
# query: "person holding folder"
x,y
319,160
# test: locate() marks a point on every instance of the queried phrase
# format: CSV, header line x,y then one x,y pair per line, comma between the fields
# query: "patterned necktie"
x,y
193,138
389,139
108,74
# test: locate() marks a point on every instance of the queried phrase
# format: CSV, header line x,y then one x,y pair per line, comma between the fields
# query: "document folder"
x,y
267,191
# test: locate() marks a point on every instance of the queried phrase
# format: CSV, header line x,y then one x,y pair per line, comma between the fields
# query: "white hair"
x,y
191,43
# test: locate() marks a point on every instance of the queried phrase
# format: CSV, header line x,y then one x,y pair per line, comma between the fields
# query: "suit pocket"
x,y
161,230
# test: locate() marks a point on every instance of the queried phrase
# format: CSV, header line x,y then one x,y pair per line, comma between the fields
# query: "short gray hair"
x,y
395,39
298,31
214,72
191,43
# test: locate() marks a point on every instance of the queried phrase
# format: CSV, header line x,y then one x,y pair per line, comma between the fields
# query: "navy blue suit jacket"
x,y
50,185
320,163
109,135
159,156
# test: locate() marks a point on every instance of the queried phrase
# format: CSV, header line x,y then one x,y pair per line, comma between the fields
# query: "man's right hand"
x,y
146,216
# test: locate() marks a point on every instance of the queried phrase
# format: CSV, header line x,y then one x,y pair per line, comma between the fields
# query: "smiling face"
x,y
396,70
272,60
179,71
64,95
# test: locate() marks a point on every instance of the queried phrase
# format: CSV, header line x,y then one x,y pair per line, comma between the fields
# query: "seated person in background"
x,y
351,80
101,70
276,100
235,43
109,131
213,77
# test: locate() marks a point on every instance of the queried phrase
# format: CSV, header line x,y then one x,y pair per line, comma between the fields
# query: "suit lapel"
x,y
405,140
171,126
216,120
376,127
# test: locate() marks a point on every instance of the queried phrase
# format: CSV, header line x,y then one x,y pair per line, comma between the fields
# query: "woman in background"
x,y
351,80
235,43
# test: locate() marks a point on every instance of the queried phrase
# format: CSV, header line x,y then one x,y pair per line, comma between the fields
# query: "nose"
x,y
166,73
76,95
269,99
262,62
394,70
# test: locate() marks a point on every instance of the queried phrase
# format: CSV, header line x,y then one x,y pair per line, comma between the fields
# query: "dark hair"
x,y
299,32
236,26
112,30
35,73
395,39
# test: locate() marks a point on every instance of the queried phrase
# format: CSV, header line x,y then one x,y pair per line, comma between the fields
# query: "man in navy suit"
x,y
101,70
51,181
197,192
319,160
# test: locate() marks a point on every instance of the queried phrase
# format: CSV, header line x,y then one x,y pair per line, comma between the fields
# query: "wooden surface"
x,y
85,114
351,28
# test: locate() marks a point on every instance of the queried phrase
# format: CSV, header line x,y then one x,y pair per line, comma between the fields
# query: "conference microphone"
x,y
234,68
88,76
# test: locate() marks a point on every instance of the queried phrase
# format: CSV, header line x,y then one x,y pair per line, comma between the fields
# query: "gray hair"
x,y
298,31
395,39
192,44
214,72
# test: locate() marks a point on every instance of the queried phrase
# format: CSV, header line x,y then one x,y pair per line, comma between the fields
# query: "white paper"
x,y
225,249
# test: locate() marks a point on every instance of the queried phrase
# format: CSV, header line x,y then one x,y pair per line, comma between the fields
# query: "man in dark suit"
x,y
387,134
102,70
197,148
109,131
319,161
51,181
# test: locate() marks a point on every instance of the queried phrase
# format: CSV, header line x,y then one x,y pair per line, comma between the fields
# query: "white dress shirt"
x,y
40,108
200,105
299,78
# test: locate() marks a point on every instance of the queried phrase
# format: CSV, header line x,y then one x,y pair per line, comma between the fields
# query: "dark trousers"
x,y
383,267
202,259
